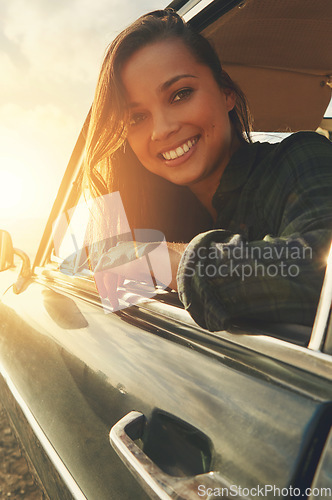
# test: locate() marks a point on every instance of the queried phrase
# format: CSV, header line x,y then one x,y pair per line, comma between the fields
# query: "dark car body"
x,y
241,409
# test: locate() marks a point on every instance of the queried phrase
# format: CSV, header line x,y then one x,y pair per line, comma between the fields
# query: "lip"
x,y
184,157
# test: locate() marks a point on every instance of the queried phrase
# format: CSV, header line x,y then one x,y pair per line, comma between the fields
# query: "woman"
x,y
166,117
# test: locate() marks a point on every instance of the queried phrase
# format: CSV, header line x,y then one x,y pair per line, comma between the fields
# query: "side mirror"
x,y
6,251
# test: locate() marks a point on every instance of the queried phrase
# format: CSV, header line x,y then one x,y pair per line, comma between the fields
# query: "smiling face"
x,y
179,125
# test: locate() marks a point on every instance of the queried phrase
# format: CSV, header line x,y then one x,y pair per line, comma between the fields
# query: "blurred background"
x,y
50,55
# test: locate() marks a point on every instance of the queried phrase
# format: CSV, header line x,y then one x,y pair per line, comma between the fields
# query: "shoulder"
x,y
301,155
301,162
304,148
298,151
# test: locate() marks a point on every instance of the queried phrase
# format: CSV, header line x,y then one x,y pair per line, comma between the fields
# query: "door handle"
x,y
157,483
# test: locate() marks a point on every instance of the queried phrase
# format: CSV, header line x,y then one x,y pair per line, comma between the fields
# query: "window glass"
x,y
69,237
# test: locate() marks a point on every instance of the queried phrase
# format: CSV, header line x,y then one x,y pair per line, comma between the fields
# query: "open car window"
x,y
69,232
164,310
82,248
70,255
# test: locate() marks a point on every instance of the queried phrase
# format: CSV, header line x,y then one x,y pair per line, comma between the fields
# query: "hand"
x,y
108,284
119,264
145,264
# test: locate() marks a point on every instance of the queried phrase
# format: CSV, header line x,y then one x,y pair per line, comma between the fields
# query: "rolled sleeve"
x,y
222,278
196,290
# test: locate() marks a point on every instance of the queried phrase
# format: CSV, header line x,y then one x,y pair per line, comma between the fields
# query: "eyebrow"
x,y
176,78
164,86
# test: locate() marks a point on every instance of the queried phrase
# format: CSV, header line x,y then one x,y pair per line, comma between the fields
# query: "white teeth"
x,y
180,151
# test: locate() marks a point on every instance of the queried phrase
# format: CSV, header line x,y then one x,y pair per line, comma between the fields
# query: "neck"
x,y
204,189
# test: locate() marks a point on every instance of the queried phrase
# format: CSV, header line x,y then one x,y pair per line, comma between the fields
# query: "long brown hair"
x,y
110,165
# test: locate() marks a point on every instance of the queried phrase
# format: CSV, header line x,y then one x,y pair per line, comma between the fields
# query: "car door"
x,y
213,410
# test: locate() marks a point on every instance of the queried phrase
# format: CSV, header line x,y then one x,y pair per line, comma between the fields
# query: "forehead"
x,y
153,65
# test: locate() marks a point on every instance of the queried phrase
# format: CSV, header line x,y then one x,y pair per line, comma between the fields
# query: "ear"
x,y
230,99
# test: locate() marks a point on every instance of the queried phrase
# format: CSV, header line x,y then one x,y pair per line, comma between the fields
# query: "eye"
x,y
136,119
182,94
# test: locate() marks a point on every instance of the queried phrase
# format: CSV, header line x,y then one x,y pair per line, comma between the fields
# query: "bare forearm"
x,y
175,251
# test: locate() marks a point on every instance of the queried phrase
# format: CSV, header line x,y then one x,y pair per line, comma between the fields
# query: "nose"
x,y
164,125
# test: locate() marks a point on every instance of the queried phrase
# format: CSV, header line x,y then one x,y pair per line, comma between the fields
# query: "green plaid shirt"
x,y
266,257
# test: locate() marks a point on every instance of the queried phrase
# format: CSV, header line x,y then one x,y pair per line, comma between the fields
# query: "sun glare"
x,y
11,188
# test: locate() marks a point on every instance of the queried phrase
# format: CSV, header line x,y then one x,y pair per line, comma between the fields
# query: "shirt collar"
x,y
238,168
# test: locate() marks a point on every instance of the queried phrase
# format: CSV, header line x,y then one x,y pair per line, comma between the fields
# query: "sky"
x,y
50,56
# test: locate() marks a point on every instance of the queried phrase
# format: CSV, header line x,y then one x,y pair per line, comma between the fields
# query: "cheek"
x,y
131,142
135,143
140,149
209,116
139,138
